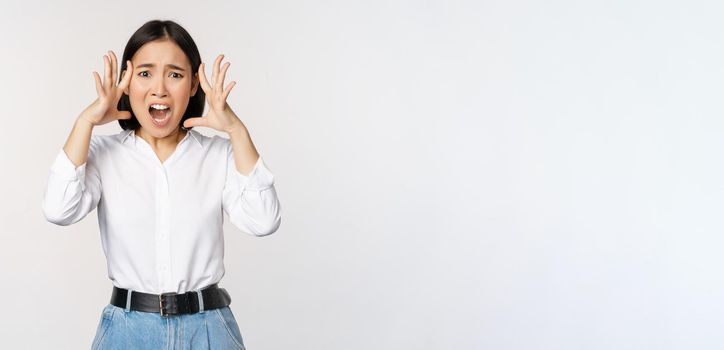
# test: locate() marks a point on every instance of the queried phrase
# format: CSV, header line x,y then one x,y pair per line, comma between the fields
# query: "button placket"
x,y
163,251
162,231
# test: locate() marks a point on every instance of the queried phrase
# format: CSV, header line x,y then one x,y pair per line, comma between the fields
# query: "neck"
x,y
168,141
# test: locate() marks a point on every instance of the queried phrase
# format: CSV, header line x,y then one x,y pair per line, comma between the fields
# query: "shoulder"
x,y
100,142
115,141
112,138
214,143
104,144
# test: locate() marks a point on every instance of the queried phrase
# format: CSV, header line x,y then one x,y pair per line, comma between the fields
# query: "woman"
x,y
161,189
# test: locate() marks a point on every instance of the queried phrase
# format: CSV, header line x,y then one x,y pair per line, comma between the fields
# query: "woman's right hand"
x,y
105,108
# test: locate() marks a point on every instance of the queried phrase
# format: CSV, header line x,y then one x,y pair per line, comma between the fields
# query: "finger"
x,y
123,115
202,79
99,84
215,72
228,90
127,76
114,67
107,82
222,76
198,121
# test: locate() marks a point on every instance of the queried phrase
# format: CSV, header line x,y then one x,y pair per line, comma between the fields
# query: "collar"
x,y
126,133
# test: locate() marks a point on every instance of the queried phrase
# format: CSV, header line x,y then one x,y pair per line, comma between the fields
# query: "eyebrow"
x,y
151,65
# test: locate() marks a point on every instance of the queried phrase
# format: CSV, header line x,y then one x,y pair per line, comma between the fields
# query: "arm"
x,y
74,186
250,200
78,143
245,154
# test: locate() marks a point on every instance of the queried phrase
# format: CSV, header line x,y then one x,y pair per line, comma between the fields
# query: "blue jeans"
x,y
127,329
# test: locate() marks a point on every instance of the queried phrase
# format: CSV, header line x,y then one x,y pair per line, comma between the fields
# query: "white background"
x,y
453,175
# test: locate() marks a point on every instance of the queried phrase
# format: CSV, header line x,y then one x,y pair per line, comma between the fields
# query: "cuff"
x,y
259,179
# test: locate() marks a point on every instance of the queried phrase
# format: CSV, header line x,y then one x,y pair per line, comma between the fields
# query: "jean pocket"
x,y
227,318
103,325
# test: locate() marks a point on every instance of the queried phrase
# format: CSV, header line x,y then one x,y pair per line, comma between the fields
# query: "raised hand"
x,y
220,116
105,108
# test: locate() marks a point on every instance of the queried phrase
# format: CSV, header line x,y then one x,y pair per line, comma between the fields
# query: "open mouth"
x,y
160,113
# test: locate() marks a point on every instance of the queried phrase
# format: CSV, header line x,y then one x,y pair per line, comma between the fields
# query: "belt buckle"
x,y
162,303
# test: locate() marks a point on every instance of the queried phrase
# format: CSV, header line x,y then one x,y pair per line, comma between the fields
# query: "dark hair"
x,y
168,30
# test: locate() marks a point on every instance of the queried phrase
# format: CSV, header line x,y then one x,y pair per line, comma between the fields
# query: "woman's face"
x,y
162,77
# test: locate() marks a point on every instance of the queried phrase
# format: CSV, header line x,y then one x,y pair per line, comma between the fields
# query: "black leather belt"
x,y
212,297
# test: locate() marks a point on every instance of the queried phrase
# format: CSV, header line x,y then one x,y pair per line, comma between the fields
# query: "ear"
x,y
194,84
125,90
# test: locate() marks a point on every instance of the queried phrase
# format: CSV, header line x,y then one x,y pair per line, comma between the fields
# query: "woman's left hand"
x,y
220,116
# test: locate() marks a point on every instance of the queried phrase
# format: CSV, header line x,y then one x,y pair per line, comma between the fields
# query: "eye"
x,y
140,74
177,75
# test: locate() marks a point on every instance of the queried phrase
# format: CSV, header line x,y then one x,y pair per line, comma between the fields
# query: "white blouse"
x,y
161,223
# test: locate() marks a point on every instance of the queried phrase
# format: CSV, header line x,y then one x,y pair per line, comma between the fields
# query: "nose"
x,y
159,88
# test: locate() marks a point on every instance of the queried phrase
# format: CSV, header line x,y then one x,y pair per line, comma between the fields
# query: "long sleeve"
x,y
251,201
72,192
